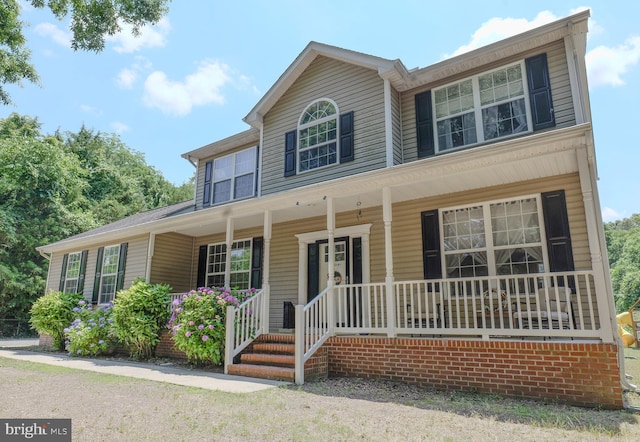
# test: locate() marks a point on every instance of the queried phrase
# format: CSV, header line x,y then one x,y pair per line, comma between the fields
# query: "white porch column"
x,y
266,261
604,293
388,254
229,243
302,272
150,252
331,229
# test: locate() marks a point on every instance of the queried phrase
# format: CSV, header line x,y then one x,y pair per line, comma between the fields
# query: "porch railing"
x,y
243,325
540,305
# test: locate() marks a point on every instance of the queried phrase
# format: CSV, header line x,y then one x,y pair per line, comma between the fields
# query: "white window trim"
x,y
103,274
315,123
226,283
66,273
233,177
477,109
489,246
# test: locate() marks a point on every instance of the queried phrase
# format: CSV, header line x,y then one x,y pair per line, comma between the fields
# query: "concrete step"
x,y
263,372
278,360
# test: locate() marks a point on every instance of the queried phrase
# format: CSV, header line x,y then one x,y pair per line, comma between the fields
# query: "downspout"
x,y
388,124
48,258
195,184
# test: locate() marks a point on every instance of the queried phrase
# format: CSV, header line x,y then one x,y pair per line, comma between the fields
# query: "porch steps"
x,y
269,357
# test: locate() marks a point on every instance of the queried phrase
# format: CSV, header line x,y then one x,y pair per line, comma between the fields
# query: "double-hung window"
x,y
72,274
487,106
493,238
240,265
109,274
318,136
231,177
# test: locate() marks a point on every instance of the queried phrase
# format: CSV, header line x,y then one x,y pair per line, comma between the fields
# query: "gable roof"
x,y
392,69
402,79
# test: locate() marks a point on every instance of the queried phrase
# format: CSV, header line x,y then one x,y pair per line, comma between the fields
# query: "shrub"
x,y
198,323
139,313
91,333
52,313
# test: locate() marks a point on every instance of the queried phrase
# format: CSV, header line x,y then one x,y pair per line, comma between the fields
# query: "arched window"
x,y
317,135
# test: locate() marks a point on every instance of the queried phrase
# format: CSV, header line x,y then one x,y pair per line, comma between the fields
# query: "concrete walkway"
x,y
160,373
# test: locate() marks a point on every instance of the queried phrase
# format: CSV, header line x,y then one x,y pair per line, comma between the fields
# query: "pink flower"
x,y
205,338
191,323
201,326
210,326
187,334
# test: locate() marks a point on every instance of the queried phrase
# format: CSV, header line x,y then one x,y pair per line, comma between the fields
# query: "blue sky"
x,y
191,79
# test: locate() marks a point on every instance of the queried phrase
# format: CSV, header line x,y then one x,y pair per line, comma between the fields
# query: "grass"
x,y
107,407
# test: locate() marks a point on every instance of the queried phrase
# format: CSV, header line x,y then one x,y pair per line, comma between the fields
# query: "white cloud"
x,y
499,28
178,97
606,65
609,214
126,78
149,37
63,38
119,127
90,109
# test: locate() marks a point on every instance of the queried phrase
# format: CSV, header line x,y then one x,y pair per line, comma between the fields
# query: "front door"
x,y
318,265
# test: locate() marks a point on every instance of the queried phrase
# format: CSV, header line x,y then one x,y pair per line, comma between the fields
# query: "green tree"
x,y
623,247
90,22
55,186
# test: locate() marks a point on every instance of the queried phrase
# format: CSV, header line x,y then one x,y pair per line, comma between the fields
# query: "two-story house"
x,y
438,225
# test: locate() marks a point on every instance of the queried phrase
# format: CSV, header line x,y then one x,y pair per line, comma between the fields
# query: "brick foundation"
x,y
165,348
317,366
46,341
582,374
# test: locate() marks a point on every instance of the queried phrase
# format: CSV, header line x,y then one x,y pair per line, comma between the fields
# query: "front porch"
x,y
529,336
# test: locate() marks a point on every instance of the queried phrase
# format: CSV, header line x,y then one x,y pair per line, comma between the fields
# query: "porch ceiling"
x,y
527,158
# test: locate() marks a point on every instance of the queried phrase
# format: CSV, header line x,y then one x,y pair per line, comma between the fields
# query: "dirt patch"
x,y
106,407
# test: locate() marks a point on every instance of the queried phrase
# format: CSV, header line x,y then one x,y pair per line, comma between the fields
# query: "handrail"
x,y
244,324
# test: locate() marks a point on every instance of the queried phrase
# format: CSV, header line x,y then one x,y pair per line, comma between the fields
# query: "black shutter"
x,y
255,190
540,92
357,261
63,274
98,276
83,270
122,264
202,266
556,224
256,263
313,269
208,175
424,125
290,153
346,137
431,245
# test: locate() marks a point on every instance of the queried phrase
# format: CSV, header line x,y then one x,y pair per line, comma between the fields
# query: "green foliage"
x,y
52,313
69,183
91,333
623,246
198,323
139,313
91,22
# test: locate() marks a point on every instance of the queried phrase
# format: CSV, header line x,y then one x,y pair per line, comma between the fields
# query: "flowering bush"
x,y
53,312
198,322
91,333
